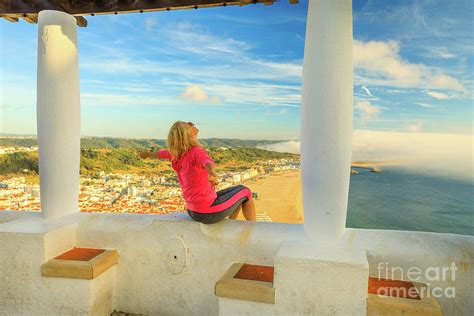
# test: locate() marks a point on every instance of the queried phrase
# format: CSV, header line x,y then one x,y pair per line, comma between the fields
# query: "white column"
x,y
326,118
58,113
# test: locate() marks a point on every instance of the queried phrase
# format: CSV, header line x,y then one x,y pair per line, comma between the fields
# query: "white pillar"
x,y
326,118
58,113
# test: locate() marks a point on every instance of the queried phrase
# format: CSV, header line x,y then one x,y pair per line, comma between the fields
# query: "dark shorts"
x,y
227,202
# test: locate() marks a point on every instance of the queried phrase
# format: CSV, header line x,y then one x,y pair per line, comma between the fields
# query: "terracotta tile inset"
x,y
80,254
394,288
255,273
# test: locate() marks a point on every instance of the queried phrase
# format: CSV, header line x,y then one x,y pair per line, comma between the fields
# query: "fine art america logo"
x,y
432,276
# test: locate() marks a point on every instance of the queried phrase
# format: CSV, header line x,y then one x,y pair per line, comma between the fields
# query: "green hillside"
x,y
127,159
245,154
15,163
17,142
91,161
111,142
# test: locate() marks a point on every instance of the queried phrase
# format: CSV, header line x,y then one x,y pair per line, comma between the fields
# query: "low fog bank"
x,y
437,154
291,146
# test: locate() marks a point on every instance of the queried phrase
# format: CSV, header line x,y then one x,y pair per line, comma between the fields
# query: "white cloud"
x,y
133,87
381,58
194,38
415,127
244,69
446,82
396,91
104,99
238,85
367,110
441,53
438,95
196,93
282,69
380,63
150,22
444,154
426,105
225,65
215,100
270,95
285,147
367,91
439,154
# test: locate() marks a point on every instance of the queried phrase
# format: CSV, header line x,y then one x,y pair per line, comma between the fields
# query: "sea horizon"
x,y
400,198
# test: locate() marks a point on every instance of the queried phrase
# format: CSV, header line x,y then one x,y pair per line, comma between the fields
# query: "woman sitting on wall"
x,y
198,178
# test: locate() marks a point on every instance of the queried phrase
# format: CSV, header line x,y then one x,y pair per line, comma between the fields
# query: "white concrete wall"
x,y
229,307
6,216
326,118
146,284
427,252
310,278
58,113
28,242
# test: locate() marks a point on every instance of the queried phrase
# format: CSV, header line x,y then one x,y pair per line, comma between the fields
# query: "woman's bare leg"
x,y
236,213
248,208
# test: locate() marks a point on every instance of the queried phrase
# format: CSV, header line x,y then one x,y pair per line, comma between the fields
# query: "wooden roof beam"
x,y
11,19
81,21
30,18
33,18
96,7
16,8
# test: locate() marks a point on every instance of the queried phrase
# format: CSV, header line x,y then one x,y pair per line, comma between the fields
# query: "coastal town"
x,y
132,193
12,150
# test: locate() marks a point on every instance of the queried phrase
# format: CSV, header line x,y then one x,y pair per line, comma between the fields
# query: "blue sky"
x,y
236,71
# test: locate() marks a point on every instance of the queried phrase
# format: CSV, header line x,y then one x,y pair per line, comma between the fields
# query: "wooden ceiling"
x,y
14,10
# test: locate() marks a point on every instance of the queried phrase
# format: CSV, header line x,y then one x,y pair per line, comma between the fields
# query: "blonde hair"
x,y
180,139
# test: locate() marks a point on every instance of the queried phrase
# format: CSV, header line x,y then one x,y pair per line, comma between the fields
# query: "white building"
x,y
236,178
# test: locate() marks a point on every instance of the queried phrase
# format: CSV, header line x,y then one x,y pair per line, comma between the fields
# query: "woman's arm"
x,y
212,173
203,160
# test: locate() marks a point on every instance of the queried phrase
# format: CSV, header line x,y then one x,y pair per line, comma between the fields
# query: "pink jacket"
x,y
198,192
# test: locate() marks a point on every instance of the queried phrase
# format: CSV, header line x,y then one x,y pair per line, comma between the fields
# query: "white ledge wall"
x,y
58,113
145,284
326,118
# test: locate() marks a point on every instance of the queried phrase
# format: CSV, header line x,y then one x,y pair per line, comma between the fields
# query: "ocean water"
x,y
399,199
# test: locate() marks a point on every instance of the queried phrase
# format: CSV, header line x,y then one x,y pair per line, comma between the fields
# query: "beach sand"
x,y
279,197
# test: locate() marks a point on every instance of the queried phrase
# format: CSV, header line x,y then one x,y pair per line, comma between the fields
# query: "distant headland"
x,y
372,166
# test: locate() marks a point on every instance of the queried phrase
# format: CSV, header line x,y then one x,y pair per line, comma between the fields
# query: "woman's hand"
x,y
213,179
